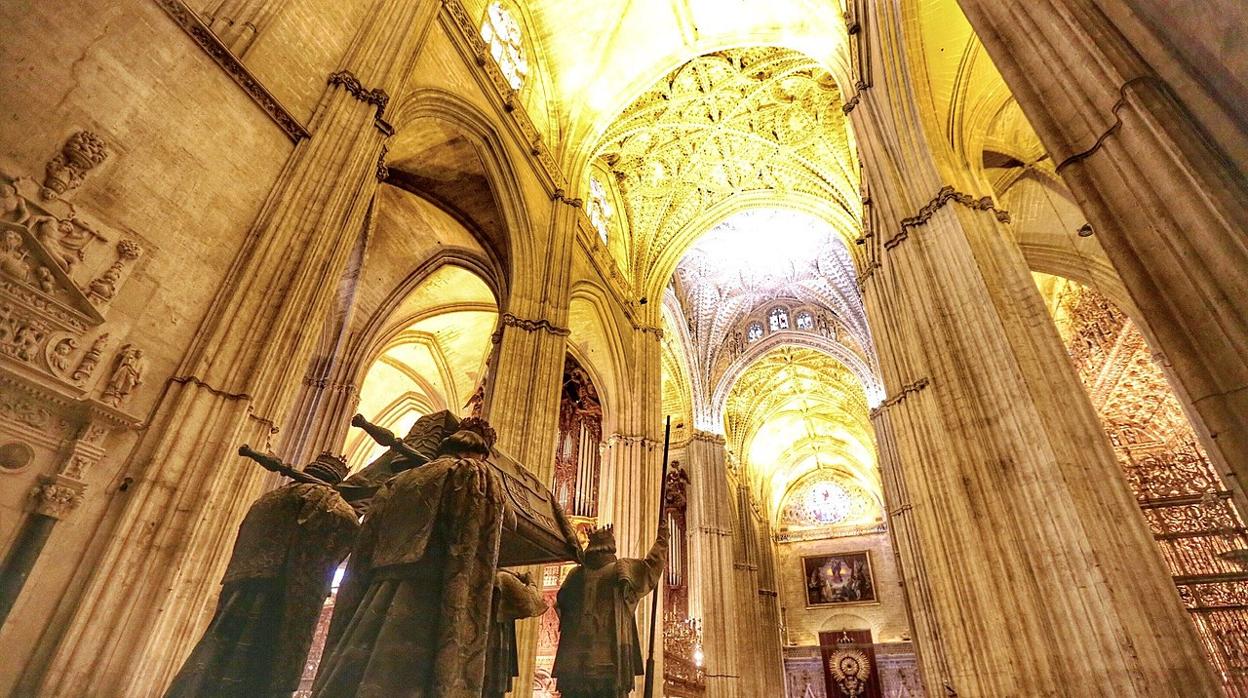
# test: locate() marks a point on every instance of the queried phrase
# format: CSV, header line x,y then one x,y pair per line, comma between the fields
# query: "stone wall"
x,y
886,619
190,159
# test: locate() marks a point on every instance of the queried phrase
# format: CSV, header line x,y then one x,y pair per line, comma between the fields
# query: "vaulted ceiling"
x,y
601,55
725,131
795,411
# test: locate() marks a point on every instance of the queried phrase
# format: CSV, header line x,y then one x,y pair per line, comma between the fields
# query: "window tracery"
x,y
502,33
779,319
805,321
755,331
600,209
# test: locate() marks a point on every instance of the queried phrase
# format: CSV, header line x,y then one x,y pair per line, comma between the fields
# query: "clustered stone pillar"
x,y
144,603
758,615
1157,164
712,592
632,473
1028,567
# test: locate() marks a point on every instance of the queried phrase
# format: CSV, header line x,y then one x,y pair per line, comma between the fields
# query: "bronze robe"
x,y
287,549
413,613
599,654
513,600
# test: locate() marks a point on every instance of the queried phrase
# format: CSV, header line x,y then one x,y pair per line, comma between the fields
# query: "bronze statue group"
x,y
423,610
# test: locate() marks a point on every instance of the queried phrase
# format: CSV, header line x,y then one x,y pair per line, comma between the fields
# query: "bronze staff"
x,y
386,438
274,464
654,602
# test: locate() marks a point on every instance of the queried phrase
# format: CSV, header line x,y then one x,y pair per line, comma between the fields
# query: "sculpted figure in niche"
x,y
27,341
599,653
12,206
59,358
13,256
412,615
127,377
287,549
515,597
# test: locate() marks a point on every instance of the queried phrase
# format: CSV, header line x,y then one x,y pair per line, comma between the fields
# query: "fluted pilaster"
x,y
712,593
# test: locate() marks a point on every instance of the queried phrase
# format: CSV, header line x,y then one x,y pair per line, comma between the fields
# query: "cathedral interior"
x,y
920,327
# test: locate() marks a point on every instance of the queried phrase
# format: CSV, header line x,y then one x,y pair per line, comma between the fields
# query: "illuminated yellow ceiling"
x,y
742,127
433,362
794,411
601,55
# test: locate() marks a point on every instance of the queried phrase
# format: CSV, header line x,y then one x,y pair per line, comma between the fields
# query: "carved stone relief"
x,y
60,271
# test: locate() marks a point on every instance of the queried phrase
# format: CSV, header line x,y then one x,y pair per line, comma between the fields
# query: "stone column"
x,y
144,604
632,466
745,580
712,592
237,23
526,374
1155,153
1027,564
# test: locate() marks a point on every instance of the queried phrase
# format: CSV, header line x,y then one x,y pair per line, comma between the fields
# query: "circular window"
x,y
15,455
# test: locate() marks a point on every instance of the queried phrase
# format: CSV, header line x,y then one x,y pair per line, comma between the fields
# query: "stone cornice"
x,y
946,195
906,390
375,96
510,320
218,52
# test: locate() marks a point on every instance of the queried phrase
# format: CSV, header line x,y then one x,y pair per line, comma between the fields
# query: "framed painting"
x,y
839,578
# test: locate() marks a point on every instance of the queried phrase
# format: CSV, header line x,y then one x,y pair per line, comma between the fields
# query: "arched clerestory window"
x,y
779,319
502,34
600,209
754,332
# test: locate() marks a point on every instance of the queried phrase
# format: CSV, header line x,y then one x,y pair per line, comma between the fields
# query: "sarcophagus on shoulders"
x,y
542,532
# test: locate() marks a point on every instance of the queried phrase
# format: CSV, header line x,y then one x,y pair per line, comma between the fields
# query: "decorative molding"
x,y
510,320
616,439
561,196
66,170
900,395
468,37
382,171
57,496
218,52
859,88
647,329
1114,111
944,196
708,436
375,96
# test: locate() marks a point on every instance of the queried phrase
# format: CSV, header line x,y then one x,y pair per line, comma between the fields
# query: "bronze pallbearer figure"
x,y
287,549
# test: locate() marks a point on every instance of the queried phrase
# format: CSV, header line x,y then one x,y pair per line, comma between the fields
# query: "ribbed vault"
x,y
733,123
795,411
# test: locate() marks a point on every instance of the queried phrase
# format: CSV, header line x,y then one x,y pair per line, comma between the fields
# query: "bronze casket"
x,y
542,532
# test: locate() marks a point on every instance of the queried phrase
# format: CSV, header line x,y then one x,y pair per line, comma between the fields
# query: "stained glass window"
x,y
501,32
755,331
600,209
818,503
805,321
779,319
